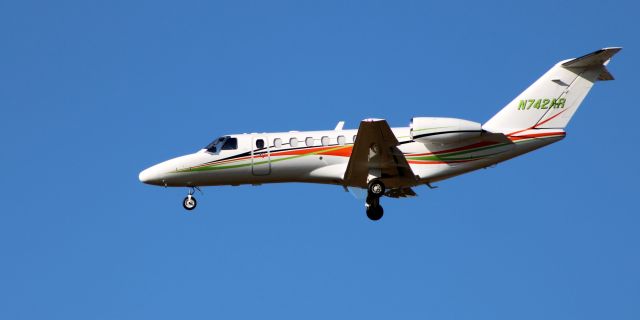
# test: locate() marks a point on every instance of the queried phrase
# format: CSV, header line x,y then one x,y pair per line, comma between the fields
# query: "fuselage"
x,y
322,157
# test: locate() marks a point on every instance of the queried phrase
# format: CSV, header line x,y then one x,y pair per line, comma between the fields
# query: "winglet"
x,y
339,126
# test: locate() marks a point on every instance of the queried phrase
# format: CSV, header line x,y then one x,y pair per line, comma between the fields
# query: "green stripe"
x,y
434,128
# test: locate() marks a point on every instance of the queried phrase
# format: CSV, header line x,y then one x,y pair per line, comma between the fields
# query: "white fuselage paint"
x,y
266,166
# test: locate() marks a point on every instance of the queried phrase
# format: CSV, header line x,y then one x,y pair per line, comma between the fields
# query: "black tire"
x,y
187,205
376,188
375,213
372,200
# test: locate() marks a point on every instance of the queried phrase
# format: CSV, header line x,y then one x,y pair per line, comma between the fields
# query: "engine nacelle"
x,y
443,130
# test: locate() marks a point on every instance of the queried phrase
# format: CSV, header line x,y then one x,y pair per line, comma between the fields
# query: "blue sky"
x,y
91,92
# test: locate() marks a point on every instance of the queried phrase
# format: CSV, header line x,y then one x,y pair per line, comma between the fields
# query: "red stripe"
x,y
471,146
538,124
438,162
343,151
538,135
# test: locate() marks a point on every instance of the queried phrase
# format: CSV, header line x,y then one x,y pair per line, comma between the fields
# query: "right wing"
x,y
376,152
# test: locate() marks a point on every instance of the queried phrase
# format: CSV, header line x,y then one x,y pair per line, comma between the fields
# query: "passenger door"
x,y
260,156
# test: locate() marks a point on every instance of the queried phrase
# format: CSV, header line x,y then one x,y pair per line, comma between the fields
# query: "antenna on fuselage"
x,y
339,126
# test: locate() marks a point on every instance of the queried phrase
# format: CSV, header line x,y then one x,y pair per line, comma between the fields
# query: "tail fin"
x,y
551,101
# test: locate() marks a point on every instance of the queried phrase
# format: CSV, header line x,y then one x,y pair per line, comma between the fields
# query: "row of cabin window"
x,y
309,142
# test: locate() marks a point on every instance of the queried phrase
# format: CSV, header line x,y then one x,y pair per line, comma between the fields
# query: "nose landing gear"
x,y
189,201
375,190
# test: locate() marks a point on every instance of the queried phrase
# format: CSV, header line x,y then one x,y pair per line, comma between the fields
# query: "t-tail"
x,y
551,101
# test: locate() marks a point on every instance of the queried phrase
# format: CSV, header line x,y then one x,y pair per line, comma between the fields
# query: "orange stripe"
x,y
343,151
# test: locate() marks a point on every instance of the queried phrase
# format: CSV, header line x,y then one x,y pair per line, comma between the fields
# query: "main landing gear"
x,y
375,190
189,201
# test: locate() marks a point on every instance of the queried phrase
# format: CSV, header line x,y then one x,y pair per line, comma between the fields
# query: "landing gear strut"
x,y
189,201
375,190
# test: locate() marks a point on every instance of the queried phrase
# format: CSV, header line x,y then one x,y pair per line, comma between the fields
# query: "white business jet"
x,y
391,161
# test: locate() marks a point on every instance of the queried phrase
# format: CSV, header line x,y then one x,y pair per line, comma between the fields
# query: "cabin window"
x,y
259,143
277,143
354,139
293,142
230,144
341,140
325,141
309,142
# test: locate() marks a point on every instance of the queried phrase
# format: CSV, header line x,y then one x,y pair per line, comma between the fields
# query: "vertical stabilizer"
x,y
551,101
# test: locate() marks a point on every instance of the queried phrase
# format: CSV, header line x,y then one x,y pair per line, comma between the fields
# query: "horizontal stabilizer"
x,y
605,75
596,59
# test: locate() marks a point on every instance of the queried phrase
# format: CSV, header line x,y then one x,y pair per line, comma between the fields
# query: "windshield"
x,y
222,143
214,146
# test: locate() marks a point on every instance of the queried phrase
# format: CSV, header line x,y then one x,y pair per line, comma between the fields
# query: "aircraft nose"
x,y
166,173
150,176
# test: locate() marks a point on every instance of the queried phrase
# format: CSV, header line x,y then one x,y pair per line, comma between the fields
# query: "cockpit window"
x,y
214,146
230,144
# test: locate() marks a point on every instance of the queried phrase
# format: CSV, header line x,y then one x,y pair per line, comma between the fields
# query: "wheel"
x,y
375,213
376,187
189,202
372,201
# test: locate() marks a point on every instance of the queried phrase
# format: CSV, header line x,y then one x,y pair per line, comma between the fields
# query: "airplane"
x,y
392,161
